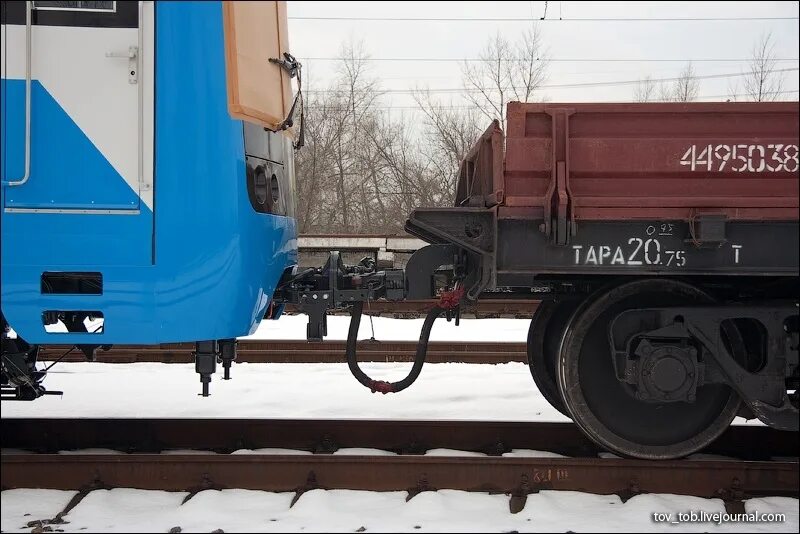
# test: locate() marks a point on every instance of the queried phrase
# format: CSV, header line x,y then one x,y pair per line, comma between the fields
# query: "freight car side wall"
x,y
644,161
668,189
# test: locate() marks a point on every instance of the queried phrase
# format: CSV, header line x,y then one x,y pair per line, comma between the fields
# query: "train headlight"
x,y
260,186
275,191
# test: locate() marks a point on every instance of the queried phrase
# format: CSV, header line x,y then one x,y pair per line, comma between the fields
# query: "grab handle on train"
x,y
27,174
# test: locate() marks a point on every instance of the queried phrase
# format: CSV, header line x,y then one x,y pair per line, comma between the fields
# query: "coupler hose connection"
x,y
448,300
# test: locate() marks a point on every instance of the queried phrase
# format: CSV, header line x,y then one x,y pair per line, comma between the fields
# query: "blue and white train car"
x,y
129,193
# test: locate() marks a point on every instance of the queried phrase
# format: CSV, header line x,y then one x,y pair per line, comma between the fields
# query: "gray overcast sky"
x,y
564,39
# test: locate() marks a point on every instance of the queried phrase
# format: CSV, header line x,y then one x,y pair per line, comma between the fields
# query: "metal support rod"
x,y
28,7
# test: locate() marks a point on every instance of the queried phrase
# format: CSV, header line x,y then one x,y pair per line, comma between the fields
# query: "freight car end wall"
x,y
628,189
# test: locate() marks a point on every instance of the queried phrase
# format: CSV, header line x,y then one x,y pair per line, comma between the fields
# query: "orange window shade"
x,y
258,91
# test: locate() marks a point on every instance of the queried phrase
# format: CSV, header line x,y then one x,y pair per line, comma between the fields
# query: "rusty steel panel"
x,y
654,160
480,177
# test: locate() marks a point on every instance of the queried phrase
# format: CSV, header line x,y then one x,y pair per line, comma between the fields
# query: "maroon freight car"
x,y
663,239
623,161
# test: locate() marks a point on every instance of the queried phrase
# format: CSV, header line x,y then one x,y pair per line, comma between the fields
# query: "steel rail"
x,y
731,480
293,351
483,308
191,472
49,435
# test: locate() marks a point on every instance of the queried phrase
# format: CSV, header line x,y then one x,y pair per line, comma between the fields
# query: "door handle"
x,y
132,52
132,55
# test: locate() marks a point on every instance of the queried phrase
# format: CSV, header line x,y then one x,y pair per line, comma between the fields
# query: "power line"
x,y
467,107
552,60
533,19
741,95
553,86
660,70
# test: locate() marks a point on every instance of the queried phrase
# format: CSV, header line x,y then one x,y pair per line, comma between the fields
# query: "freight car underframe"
x,y
671,306
649,336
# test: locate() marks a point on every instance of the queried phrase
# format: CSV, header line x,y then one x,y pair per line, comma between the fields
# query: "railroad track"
x,y
754,467
293,351
485,308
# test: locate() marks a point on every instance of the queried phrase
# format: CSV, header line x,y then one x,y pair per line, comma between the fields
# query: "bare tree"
x,y
363,169
529,70
505,72
329,166
683,88
733,91
686,87
762,82
359,92
645,90
313,163
665,92
448,136
487,82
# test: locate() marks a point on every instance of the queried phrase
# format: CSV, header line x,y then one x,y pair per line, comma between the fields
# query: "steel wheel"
x,y
544,340
605,408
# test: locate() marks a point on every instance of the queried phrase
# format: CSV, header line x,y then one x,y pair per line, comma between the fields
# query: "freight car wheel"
x,y
606,409
544,339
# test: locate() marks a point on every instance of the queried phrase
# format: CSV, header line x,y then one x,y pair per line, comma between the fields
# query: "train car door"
x,y
77,137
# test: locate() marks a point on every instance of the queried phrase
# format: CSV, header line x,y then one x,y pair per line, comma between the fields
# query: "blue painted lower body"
x,y
203,264
223,295
68,171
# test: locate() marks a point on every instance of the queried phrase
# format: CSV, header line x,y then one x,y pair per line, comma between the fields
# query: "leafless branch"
x,y
761,81
645,90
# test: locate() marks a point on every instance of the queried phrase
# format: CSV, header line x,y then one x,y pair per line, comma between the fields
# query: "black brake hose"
x,y
419,359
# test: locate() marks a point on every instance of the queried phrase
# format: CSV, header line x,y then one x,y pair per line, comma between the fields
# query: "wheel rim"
x,y
603,407
544,340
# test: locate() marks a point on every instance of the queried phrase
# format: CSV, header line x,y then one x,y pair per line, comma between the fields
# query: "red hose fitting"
x,y
382,386
451,299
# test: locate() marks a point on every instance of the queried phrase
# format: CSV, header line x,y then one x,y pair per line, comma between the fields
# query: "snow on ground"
x,y
460,391
98,450
362,451
20,506
504,392
271,450
234,510
386,328
389,329
530,453
452,452
444,391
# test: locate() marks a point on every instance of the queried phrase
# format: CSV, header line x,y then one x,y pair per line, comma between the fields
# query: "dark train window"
x,y
75,13
72,283
83,5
